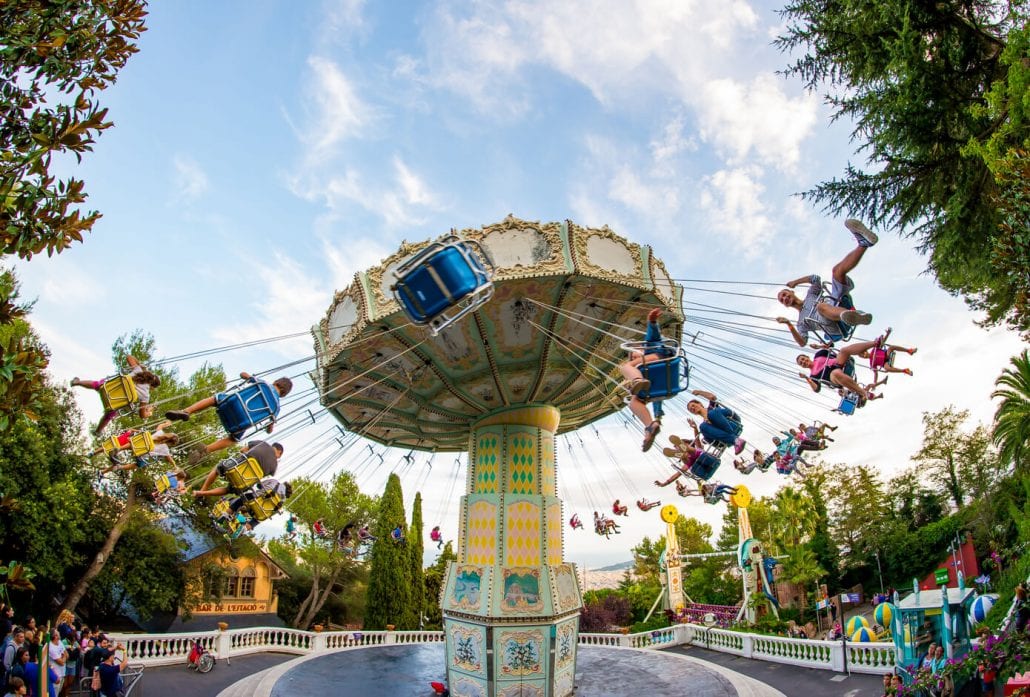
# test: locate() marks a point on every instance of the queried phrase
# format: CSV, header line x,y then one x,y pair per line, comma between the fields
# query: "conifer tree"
x,y
389,581
415,548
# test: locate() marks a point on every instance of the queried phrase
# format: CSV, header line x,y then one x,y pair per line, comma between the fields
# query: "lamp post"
x,y
879,571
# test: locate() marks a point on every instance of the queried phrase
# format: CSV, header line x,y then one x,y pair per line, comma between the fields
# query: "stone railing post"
x,y
223,645
318,642
837,657
746,645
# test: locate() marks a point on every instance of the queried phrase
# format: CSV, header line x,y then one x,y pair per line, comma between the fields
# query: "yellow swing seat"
x,y
119,393
264,507
244,475
163,484
141,443
221,509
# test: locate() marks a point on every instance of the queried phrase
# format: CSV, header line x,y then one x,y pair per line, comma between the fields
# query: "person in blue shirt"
x,y
638,385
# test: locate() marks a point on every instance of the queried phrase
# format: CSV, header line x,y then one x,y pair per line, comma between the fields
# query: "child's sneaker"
x,y
178,415
863,235
856,317
738,446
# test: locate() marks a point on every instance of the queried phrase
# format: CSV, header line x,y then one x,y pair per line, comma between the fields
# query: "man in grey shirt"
x,y
823,314
267,456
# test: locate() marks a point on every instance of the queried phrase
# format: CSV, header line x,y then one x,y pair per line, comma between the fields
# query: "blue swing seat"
x,y
251,405
845,330
669,375
849,403
445,281
705,466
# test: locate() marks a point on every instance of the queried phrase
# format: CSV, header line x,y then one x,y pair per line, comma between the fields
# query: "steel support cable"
x,y
626,480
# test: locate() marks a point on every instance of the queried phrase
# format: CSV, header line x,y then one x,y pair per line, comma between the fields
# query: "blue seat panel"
x,y
438,283
248,406
705,466
665,376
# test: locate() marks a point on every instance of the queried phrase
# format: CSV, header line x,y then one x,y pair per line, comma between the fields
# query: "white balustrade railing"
x,y
167,649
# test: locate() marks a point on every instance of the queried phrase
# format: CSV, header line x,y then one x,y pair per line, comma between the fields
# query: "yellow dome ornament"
x,y
670,514
742,498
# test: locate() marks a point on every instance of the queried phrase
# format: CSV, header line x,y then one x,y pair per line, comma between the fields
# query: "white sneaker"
x,y
856,317
863,235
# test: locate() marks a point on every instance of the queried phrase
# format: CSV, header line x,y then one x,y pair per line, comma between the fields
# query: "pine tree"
x,y
935,92
389,582
415,549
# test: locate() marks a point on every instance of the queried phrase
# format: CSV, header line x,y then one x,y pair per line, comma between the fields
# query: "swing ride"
x,y
495,342
539,359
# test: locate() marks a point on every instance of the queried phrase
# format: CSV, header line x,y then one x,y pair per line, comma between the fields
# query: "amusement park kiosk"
x,y
536,355
939,615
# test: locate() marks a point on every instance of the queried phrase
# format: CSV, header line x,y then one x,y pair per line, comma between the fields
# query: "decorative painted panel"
x,y
548,484
566,588
467,644
522,533
554,532
565,645
467,687
481,533
468,589
487,463
520,653
521,452
522,689
521,591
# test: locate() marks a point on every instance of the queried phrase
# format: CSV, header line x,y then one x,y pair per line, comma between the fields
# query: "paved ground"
x,y
400,671
178,681
604,680
791,680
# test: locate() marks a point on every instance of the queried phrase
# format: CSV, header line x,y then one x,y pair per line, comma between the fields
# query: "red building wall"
x,y
965,558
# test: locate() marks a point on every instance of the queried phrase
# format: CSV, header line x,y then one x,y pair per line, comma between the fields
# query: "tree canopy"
x,y
936,93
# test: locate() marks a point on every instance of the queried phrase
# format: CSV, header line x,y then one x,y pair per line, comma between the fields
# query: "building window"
x,y
247,583
232,584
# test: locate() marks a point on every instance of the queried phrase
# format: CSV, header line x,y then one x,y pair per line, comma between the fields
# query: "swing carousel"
x,y
493,341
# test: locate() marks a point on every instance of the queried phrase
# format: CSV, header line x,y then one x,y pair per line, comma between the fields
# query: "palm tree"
x,y
1012,419
802,569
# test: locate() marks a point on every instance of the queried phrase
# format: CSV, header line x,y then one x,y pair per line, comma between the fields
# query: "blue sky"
x,y
263,152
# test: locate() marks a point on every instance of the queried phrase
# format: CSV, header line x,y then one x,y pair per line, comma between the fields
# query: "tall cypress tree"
x,y
389,582
415,548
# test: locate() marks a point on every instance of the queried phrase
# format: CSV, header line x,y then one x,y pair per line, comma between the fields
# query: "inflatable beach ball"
x,y
855,623
981,606
884,614
863,634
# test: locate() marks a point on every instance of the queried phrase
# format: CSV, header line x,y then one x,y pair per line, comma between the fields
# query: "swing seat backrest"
x,y
668,376
251,405
221,509
705,465
141,443
449,274
163,484
848,404
119,393
245,474
264,507
878,358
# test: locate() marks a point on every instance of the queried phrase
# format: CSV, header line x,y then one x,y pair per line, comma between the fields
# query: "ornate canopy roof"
x,y
550,335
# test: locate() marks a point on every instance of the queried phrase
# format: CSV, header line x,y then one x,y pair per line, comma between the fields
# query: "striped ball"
x,y
863,634
981,606
884,614
855,623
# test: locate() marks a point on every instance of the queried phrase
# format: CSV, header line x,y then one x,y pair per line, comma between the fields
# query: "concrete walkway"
x,y
177,681
792,680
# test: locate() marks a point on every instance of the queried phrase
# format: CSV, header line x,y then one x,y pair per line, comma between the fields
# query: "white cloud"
x,y
189,181
689,51
733,201
739,118
290,292
339,113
